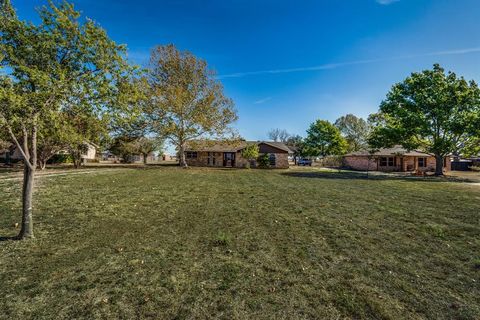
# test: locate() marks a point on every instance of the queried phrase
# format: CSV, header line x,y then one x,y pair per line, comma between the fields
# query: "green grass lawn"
x,y
167,243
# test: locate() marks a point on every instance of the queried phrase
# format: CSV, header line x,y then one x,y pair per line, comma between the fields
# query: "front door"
x,y
229,159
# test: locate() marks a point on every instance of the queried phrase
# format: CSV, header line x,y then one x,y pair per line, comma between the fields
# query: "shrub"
x,y
332,161
61,158
250,153
264,160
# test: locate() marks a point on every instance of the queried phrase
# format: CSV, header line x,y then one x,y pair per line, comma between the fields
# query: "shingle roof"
x,y
229,146
278,145
396,150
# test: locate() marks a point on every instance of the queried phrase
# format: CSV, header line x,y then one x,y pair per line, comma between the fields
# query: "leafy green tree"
x,y
324,139
147,145
46,67
187,100
432,110
127,147
124,147
250,153
471,147
355,130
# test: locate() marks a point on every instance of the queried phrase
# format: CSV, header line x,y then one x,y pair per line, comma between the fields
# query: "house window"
x,y
388,162
422,162
273,160
191,155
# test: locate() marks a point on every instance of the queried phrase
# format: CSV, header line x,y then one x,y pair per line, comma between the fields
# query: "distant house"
x,y
396,159
90,152
229,154
14,154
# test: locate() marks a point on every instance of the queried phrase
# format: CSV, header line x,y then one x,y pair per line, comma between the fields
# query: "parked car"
x,y
304,162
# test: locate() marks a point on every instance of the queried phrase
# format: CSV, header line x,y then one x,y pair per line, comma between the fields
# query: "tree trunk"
x,y
77,161
27,220
439,165
145,158
183,162
7,158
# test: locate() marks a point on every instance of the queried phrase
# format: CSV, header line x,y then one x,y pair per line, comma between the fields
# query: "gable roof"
x,y
230,146
279,145
395,150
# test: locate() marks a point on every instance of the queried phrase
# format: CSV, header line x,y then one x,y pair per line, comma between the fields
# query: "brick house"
x,y
229,154
396,159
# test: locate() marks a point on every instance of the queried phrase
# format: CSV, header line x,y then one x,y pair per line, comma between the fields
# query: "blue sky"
x,y
288,63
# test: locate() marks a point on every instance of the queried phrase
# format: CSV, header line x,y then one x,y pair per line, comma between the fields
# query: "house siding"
x,y
409,164
281,160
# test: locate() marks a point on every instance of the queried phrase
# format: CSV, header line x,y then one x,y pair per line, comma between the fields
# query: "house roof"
x,y
396,150
230,146
278,145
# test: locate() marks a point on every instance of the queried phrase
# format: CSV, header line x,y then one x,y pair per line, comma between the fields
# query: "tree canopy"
x,y
355,130
324,139
432,110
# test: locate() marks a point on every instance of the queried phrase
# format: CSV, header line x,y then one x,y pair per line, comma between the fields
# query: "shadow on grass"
x,y
352,175
14,238
139,166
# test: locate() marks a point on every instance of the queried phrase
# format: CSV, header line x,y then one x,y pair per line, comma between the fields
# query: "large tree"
x,y
433,110
45,68
324,139
355,130
187,100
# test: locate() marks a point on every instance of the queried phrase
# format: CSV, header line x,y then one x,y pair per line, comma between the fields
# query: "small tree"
x,y
124,147
324,139
187,100
250,152
146,146
45,68
433,110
